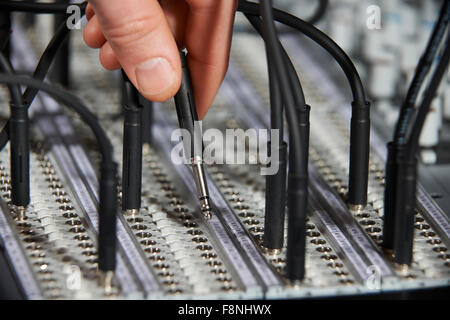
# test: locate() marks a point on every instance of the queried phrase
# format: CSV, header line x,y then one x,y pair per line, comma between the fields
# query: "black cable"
x,y
29,19
320,38
5,30
429,95
275,184
40,72
14,89
314,19
46,60
147,119
20,146
61,65
298,178
360,121
275,193
274,50
296,87
422,70
407,169
132,148
36,7
406,111
276,102
193,147
108,183
71,101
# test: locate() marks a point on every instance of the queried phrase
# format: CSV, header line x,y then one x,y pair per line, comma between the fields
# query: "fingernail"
x,y
154,76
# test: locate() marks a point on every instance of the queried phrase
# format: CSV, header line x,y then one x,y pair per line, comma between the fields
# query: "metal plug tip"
x,y
132,212
107,279
205,207
20,213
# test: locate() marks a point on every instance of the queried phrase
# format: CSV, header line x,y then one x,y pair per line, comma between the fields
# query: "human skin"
x,y
143,36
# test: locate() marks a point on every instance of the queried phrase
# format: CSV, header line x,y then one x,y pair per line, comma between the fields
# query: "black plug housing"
x,y
275,202
20,155
298,204
359,154
147,119
390,196
405,207
107,218
186,109
399,203
132,149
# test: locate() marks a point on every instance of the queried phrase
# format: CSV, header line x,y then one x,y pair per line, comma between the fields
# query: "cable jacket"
x,y
132,149
422,69
108,183
20,146
39,73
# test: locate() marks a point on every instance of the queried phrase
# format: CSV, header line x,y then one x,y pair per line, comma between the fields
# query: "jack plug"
x,y
132,150
187,114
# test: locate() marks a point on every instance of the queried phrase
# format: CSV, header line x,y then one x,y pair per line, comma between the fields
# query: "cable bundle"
x,y
401,164
16,131
286,97
286,91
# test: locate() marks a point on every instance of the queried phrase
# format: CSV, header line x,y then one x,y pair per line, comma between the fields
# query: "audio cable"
x,y
275,193
406,180
360,120
276,184
193,147
146,122
40,73
132,149
20,146
108,180
5,30
146,114
297,177
315,18
320,12
397,145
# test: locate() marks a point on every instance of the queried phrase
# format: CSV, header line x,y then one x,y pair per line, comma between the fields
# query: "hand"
x,y
141,36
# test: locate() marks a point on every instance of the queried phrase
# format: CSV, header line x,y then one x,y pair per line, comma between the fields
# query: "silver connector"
x,y
106,279
146,148
20,213
132,212
295,284
272,252
356,207
202,187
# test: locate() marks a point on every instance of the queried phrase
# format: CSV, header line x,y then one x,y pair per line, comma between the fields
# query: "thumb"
x,y
142,42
